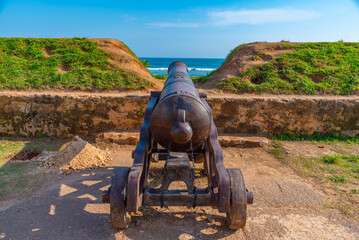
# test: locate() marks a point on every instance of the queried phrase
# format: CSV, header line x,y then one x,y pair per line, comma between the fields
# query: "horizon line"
x,y
189,57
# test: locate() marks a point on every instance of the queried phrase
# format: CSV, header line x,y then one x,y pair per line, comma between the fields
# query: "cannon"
x,y
178,128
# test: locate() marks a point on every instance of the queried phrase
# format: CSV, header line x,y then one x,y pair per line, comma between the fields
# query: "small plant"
x,y
351,158
42,135
337,179
146,63
277,150
354,191
356,169
346,165
140,113
161,77
256,58
331,159
327,168
308,164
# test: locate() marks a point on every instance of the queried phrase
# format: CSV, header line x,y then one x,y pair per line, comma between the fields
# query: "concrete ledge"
x,y
131,138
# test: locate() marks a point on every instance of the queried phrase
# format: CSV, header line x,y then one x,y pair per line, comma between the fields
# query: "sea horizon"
x,y
196,66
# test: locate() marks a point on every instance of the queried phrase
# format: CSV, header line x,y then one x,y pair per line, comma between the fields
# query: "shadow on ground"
x,y
286,206
73,210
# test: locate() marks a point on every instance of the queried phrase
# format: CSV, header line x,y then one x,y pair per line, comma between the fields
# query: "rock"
x,y
124,138
243,142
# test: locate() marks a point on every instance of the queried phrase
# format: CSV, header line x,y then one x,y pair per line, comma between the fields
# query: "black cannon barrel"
x,y
180,121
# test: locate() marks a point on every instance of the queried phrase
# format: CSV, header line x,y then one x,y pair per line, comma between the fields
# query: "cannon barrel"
x,y
180,121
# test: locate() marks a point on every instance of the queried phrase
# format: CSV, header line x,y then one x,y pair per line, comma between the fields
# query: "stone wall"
x,y
65,115
284,114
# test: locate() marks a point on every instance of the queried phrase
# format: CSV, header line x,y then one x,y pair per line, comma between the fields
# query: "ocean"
x,y
196,66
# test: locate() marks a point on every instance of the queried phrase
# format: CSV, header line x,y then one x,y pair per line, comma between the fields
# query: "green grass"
x,y
161,77
231,52
202,79
338,168
335,168
76,64
337,179
317,137
277,150
331,159
312,68
195,79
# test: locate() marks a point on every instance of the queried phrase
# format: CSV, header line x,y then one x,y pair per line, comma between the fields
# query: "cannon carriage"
x,y
178,128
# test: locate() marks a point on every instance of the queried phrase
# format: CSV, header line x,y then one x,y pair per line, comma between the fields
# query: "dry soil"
x,y
286,206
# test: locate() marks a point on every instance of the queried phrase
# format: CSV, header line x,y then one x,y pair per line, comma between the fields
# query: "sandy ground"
x,y
286,206
212,94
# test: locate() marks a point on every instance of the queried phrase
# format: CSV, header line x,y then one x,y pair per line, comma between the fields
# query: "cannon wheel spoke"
x,y
236,216
120,218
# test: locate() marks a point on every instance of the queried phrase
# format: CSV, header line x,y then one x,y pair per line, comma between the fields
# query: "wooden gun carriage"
x,y
178,128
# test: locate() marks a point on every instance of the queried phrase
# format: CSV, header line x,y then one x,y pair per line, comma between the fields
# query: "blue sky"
x,y
197,28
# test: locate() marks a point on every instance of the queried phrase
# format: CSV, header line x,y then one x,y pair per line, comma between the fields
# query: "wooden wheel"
x,y
236,216
120,218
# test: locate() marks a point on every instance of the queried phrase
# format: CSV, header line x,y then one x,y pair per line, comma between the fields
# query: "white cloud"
x,y
259,16
127,18
174,24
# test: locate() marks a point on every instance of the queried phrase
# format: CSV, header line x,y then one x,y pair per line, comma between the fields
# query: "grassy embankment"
x,y
311,68
69,63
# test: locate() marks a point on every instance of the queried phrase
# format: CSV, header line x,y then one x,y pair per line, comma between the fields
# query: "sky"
x,y
188,28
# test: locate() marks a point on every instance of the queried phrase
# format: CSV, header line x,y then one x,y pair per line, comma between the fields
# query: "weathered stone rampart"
x,y
69,114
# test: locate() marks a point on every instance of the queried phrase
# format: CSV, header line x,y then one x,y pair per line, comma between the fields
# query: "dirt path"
x,y
286,207
212,94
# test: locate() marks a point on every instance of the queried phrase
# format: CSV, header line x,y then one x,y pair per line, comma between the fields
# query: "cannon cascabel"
x,y
180,120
